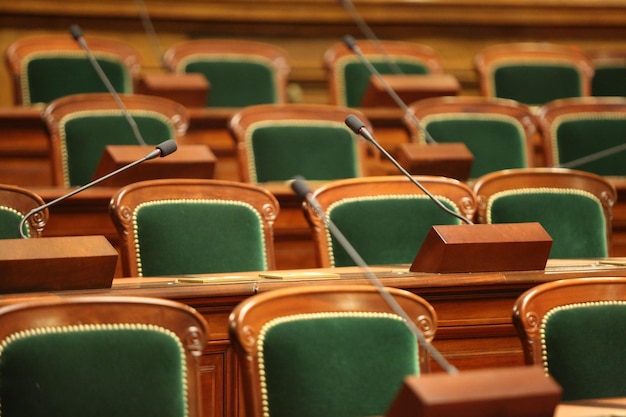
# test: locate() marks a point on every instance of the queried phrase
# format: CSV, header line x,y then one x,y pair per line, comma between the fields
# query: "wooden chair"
x,y
533,73
240,72
46,67
188,226
348,78
499,133
327,351
575,207
277,142
15,203
574,328
100,355
81,126
385,218
609,78
585,133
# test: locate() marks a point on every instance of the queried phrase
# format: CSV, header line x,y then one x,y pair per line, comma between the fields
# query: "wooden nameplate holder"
x,y
451,160
189,161
409,87
190,90
524,391
483,248
56,264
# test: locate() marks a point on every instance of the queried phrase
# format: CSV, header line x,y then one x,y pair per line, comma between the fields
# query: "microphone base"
x,y
508,392
483,248
56,264
452,160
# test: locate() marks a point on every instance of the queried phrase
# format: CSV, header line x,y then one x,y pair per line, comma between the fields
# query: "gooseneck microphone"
x,y
358,127
77,34
302,190
369,34
350,42
161,150
149,29
575,163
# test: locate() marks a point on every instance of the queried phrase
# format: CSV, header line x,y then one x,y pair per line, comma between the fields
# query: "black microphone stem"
x,y
357,127
393,304
369,34
162,149
352,45
77,33
594,156
149,28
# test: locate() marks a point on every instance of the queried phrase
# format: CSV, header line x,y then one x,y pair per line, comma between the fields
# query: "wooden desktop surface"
x,y
600,407
475,328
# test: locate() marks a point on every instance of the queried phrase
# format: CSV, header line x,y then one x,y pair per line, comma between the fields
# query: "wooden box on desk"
x,y
190,90
409,88
56,264
451,160
189,161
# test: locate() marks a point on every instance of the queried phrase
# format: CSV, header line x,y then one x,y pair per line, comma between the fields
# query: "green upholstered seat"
x,y
84,136
328,350
536,84
334,364
174,237
49,75
236,81
385,229
317,150
584,347
609,81
576,136
276,142
10,223
239,72
574,218
496,141
181,226
93,371
354,75
97,356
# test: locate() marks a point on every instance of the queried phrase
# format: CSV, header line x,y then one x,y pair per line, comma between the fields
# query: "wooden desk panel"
x,y
474,314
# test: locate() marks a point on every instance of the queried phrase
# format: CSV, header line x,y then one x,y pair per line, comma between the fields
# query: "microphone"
x,y
350,42
161,150
149,29
369,34
77,34
594,156
302,190
358,127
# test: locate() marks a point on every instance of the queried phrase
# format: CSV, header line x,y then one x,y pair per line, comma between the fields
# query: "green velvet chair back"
x,y
348,357
100,356
15,203
560,212
574,328
278,142
48,67
10,223
348,77
534,73
500,134
83,125
576,216
177,227
609,78
386,219
586,134
240,73
73,74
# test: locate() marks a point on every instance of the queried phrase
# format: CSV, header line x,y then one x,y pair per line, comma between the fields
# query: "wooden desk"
x,y
474,313
601,407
